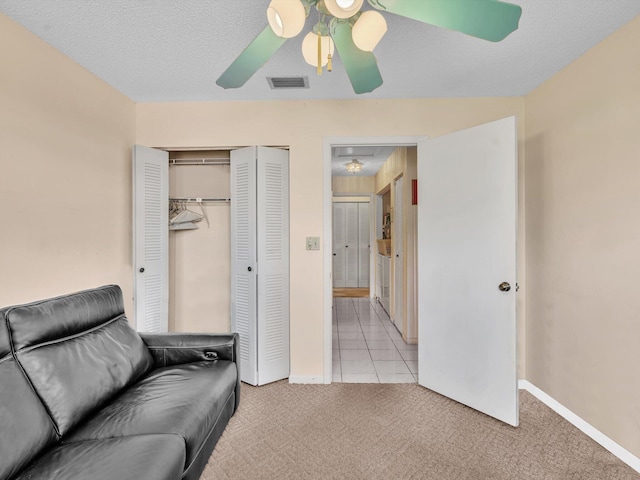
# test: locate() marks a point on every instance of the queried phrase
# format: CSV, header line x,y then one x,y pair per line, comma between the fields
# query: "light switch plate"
x,y
313,243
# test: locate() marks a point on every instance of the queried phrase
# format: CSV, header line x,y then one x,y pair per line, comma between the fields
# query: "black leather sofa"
x,y
84,396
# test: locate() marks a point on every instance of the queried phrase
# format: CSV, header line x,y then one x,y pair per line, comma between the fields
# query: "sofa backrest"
x,y
25,427
78,351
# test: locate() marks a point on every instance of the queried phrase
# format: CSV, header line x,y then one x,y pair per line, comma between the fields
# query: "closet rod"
x,y
199,199
200,161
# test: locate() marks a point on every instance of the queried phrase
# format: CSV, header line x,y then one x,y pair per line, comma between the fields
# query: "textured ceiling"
x,y
167,50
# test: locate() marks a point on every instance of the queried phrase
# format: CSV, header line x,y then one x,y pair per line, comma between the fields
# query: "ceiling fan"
x,y
355,33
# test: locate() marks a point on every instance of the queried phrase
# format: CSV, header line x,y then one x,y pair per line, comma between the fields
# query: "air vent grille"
x,y
278,83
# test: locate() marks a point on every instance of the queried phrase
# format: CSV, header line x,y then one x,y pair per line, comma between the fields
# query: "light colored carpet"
x,y
350,292
398,431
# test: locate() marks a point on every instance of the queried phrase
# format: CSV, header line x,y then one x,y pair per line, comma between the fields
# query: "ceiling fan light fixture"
x,y
310,48
354,166
343,8
286,17
368,30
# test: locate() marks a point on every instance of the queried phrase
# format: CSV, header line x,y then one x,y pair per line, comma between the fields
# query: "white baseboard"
x,y
623,454
304,379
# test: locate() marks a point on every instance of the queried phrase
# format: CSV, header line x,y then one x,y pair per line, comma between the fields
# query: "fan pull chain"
x,y
319,53
329,64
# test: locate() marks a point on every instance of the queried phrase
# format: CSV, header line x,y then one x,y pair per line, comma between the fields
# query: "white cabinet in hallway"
x,y
351,245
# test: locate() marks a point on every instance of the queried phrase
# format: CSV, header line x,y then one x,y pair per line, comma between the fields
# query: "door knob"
x,y
142,270
504,287
249,268
334,254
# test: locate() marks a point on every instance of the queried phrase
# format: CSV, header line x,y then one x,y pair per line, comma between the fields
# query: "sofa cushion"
x,y
78,351
146,457
25,427
183,399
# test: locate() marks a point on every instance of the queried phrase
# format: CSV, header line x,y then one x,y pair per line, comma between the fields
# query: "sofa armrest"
x,y
177,348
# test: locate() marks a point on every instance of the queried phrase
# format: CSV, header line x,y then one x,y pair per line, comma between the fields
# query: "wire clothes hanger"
x,y
181,218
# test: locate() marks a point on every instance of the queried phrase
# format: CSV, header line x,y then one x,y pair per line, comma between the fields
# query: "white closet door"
x,y
398,236
243,259
273,264
339,242
351,247
363,245
151,239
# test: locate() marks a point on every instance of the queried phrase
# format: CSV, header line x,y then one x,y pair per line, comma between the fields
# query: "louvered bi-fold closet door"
x,y
339,242
273,264
351,251
260,262
243,260
151,238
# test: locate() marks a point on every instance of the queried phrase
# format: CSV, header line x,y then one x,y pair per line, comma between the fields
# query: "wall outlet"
x,y
313,243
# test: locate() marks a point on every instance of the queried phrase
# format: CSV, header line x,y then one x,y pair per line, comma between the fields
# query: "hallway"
x,y
367,348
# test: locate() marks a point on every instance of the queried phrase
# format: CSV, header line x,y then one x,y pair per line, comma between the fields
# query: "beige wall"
x,y
392,168
352,184
65,174
302,125
583,237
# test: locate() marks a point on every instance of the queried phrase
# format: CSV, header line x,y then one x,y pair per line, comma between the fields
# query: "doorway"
x,y
467,194
367,344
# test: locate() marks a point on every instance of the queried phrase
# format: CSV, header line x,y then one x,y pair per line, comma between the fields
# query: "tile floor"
x,y
367,347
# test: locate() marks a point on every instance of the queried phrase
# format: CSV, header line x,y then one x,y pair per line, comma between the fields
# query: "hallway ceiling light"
x,y
354,166
356,33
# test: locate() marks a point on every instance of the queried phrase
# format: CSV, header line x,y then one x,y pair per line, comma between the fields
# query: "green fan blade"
x,y
251,59
488,19
361,67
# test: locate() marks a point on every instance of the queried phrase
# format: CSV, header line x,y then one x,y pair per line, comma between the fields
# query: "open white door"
x,y
273,264
151,239
467,250
398,271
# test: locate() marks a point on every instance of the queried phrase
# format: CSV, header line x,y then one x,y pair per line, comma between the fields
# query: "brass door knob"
x,y
504,287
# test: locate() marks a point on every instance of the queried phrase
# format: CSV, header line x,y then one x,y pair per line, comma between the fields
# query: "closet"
x,y
260,262
199,241
219,261
181,240
351,244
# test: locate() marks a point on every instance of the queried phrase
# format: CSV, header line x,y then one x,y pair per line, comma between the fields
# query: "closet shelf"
x,y
199,161
199,199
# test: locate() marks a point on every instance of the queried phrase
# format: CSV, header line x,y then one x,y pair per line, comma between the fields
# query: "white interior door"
x,y
273,264
467,248
364,246
339,242
243,260
151,239
351,245
398,275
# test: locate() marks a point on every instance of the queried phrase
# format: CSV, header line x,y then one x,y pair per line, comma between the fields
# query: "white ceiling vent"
x,y
278,83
